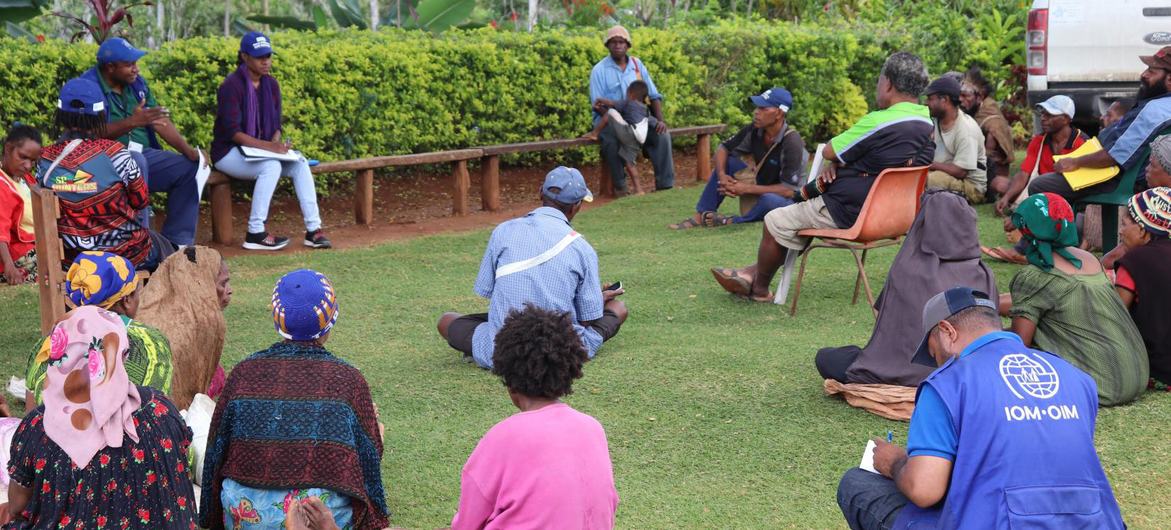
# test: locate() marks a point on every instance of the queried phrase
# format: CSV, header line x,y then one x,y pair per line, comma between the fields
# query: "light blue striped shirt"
x,y
568,282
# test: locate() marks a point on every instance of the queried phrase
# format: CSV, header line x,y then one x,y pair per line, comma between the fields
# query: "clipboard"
x,y
1086,177
254,153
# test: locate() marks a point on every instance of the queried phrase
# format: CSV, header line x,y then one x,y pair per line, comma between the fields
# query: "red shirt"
x,y
12,210
1039,145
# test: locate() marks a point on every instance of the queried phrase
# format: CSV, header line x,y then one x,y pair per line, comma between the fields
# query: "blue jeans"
x,y
869,501
174,174
710,199
266,173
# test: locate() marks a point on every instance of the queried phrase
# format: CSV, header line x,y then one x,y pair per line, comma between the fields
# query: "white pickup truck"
x,y
1089,50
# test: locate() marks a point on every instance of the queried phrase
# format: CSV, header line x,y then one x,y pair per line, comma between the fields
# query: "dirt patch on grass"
x,y
412,204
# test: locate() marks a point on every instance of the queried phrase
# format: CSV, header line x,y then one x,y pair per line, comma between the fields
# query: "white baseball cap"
x,y
1058,105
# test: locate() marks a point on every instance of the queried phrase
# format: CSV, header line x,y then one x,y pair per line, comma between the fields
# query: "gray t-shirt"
x,y
963,145
631,111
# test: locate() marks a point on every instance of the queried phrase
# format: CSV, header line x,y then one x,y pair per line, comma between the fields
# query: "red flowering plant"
x,y
104,20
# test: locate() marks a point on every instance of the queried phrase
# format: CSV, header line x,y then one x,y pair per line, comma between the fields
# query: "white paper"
x,y
201,174
252,152
868,457
134,147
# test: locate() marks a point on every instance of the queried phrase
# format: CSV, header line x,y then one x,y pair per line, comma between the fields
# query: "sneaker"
x,y
264,241
317,239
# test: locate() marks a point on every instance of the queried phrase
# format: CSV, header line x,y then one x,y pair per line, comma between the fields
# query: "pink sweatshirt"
x,y
547,468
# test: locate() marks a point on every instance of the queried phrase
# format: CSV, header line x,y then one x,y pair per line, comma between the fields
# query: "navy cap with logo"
x,y
81,96
774,97
566,185
256,44
941,307
118,50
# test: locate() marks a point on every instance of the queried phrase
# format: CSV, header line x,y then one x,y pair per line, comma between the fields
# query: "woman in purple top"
x,y
248,114
547,466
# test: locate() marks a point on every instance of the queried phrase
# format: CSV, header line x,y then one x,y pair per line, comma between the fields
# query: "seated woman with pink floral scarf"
x,y
101,452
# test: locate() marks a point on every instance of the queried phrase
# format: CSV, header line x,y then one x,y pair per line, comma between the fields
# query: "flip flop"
x,y
764,299
713,219
732,282
690,222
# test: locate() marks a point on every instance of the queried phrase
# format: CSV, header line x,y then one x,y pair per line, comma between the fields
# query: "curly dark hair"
x,y
538,353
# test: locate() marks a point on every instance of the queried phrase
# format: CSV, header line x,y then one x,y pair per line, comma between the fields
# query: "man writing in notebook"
x,y
1002,436
1123,141
540,259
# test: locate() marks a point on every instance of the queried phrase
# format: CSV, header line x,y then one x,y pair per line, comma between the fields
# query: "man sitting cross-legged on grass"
x,y
547,466
540,259
897,135
1002,436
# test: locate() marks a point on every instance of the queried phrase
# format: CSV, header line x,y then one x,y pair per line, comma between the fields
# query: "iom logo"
x,y
1032,375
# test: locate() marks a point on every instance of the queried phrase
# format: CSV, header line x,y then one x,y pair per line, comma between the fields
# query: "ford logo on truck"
x,y
1158,38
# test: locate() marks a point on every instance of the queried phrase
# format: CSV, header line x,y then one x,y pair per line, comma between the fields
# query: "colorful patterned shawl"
x,y
295,416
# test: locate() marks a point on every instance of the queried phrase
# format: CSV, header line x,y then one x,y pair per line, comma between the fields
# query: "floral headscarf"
x,y
89,401
99,278
1046,222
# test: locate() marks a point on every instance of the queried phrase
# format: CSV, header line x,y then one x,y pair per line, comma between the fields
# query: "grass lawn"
x,y
714,411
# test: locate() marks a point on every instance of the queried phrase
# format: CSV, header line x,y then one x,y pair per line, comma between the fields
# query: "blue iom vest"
x,y
1024,422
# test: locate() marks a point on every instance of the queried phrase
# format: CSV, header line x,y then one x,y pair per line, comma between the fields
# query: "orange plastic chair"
x,y
886,216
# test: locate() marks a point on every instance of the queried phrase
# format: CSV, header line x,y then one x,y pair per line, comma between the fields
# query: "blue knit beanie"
x,y
304,306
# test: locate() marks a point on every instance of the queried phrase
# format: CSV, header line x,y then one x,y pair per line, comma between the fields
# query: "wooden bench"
x,y
363,168
490,165
50,254
220,195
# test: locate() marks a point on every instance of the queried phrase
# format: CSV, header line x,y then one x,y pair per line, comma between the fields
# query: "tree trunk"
x,y
227,18
398,13
533,12
373,15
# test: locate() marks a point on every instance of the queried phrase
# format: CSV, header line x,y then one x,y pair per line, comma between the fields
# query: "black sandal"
x,y
714,219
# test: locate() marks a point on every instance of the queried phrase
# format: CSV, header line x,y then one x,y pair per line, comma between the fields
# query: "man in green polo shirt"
x,y
896,135
137,120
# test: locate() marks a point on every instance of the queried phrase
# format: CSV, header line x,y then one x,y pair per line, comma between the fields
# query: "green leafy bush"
x,y
350,93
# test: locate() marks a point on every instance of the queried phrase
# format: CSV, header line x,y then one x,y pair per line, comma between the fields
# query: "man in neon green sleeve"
x,y
896,135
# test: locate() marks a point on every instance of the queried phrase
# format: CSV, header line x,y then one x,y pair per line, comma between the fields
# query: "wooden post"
x,y
50,253
605,182
703,157
490,183
364,196
221,208
460,182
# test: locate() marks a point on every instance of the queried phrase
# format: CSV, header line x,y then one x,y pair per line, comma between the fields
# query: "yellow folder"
x,y
1086,177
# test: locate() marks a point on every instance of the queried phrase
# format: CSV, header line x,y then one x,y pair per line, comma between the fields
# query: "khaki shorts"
x,y
938,180
784,223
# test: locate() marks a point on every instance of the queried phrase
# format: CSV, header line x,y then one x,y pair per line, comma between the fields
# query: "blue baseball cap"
x,y
774,97
941,307
81,96
570,186
255,44
118,50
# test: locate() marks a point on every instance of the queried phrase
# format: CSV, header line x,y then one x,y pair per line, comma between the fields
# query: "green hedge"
x,y
350,93
353,93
